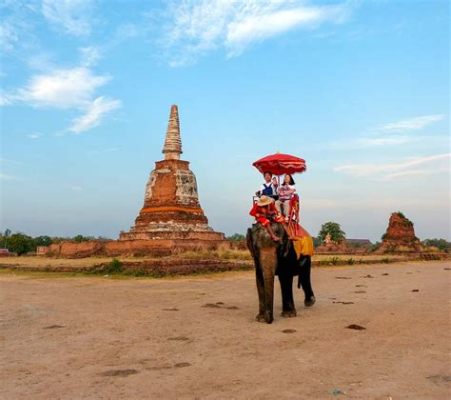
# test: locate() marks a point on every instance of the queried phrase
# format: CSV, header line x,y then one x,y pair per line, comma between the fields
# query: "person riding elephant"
x,y
279,258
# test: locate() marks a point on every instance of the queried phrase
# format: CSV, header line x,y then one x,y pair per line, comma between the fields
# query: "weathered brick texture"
x,y
171,207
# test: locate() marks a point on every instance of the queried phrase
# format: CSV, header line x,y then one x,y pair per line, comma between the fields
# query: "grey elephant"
x,y
277,258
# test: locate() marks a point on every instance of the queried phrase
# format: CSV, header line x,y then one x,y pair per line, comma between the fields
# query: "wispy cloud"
x,y
197,27
34,136
8,36
384,140
61,88
15,25
72,88
411,124
392,134
94,114
388,171
72,16
90,55
4,99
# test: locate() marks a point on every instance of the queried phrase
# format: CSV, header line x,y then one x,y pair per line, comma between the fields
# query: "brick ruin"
x,y
400,236
171,219
171,207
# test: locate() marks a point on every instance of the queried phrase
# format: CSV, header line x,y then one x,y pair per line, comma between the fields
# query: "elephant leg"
x,y
261,294
286,287
304,277
268,262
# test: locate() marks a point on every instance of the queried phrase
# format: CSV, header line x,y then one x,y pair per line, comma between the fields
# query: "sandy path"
x,y
98,338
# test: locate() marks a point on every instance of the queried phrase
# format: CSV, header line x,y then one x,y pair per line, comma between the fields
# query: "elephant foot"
x,y
269,317
260,318
288,314
308,302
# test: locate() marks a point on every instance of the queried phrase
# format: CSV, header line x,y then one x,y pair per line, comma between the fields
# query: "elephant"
x,y
277,258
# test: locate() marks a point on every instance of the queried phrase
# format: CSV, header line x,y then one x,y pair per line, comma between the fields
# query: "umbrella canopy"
x,y
279,164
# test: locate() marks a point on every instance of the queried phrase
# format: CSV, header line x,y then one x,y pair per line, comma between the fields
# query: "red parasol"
x,y
279,164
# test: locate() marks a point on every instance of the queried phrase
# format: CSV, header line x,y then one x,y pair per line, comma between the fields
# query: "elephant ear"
x,y
250,242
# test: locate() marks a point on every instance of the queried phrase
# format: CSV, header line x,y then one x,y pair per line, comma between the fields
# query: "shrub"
x,y
114,267
334,260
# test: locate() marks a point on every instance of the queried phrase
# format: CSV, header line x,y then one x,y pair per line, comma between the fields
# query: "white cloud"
x,y
73,88
8,36
384,141
34,136
90,55
429,165
4,99
199,26
73,16
257,26
15,25
392,134
411,124
94,114
62,88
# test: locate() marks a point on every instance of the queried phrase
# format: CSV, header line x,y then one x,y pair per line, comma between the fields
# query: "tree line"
x,y
20,243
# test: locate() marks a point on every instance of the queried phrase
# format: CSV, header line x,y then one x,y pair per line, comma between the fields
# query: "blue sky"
x,y
360,89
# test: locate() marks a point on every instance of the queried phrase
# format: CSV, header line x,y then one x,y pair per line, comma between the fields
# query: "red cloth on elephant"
x,y
264,214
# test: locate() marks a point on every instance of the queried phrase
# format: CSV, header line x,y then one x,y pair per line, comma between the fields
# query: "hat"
x,y
264,201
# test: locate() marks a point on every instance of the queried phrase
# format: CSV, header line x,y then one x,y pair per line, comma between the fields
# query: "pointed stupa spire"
x,y
173,144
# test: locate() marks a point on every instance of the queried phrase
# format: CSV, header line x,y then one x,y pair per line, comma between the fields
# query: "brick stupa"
x,y
400,236
171,203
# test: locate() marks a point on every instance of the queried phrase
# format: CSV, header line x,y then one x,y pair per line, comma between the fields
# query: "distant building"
x,y
42,250
358,243
5,253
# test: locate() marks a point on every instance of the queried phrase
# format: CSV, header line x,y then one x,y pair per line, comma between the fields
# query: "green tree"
x,y
334,230
4,237
236,237
81,238
42,241
20,243
441,244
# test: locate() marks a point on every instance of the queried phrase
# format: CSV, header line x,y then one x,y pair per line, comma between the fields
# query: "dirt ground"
x,y
196,337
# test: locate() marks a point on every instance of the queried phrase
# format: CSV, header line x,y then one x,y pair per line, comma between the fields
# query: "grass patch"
x,y
334,260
